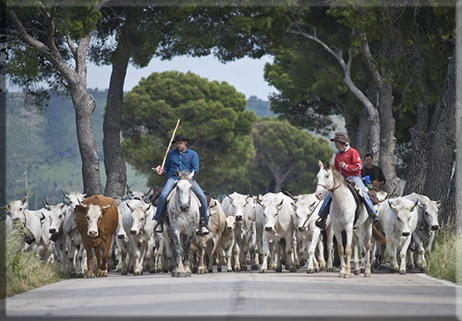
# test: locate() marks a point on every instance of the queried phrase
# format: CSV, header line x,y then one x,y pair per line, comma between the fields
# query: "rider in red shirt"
x,y
349,164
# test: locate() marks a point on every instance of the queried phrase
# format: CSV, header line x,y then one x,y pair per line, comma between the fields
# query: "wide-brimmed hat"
x,y
340,137
179,138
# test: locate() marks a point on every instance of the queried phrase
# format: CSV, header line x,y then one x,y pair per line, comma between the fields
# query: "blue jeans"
x,y
168,187
359,182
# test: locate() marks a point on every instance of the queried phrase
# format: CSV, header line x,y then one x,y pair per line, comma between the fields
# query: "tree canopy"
x,y
212,117
291,156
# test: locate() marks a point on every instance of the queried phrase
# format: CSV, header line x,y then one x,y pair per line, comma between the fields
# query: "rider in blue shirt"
x,y
181,158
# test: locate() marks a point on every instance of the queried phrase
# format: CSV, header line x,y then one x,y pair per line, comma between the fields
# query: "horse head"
x,y
184,189
325,180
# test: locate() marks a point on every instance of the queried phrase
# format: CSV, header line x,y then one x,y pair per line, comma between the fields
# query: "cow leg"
x,y
236,255
311,253
320,252
90,273
402,254
103,263
265,252
392,254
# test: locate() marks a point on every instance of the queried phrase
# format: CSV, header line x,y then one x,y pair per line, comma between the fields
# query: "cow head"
x,y
230,223
304,208
140,213
429,213
241,203
404,212
270,213
93,214
57,215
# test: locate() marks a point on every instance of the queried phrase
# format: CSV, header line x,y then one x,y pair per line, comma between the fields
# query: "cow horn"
x,y
64,194
391,205
150,189
45,203
415,204
24,199
286,192
128,189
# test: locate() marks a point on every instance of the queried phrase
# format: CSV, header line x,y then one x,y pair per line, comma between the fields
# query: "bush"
x,y
24,271
442,260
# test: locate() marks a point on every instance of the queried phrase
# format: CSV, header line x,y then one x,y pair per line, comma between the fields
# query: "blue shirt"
x,y
188,160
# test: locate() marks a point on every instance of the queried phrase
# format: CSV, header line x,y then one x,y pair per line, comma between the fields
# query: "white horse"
x,y
342,215
183,219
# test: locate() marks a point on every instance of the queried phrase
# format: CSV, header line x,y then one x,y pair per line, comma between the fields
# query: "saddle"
x,y
357,196
155,197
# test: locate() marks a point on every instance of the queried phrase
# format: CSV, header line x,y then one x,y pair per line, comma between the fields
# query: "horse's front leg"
x,y
177,254
330,248
187,255
349,241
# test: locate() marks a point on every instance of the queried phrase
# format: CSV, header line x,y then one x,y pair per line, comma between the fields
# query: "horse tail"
x,y
378,235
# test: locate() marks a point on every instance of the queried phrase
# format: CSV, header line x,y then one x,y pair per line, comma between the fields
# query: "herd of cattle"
x,y
264,232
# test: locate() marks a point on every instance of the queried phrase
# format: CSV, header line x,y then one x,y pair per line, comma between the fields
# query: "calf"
x,y
227,244
97,218
57,216
399,220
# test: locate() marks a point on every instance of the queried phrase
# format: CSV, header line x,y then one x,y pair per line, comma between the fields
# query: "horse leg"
x,y
330,248
356,268
340,250
187,255
177,254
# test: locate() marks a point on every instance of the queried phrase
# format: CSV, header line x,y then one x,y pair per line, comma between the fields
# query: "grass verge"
x,y
442,260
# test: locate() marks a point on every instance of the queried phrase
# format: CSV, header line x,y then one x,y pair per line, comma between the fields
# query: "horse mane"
x,y
184,174
338,177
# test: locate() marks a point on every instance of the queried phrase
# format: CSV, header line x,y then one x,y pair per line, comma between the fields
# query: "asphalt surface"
x,y
243,295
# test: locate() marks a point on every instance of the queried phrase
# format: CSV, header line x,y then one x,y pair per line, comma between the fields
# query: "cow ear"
x,y
280,204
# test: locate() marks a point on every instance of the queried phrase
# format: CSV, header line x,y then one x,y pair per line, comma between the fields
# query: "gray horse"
x,y
183,217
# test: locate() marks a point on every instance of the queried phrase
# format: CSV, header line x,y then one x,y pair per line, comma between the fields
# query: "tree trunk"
x,y
417,172
387,137
84,105
116,171
362,135
442,130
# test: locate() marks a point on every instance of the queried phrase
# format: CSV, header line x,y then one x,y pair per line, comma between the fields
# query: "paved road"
x,y
229,295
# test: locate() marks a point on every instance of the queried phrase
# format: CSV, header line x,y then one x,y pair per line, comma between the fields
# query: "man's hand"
x,y
342,164
159,170
377,185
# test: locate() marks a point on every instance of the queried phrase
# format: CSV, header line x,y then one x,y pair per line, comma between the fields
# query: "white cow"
x,y
136,195
57,216
399,219
242,207
122,247
76,254
427,225
139,226
278,224
306,213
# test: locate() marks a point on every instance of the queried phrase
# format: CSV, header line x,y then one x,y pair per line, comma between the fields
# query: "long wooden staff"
x,y
170,144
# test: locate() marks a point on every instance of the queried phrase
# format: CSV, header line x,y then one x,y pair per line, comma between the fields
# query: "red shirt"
x,y
353,163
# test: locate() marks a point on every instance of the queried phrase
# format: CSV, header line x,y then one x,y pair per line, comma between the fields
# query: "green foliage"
x,y
284,150
212,116
446,254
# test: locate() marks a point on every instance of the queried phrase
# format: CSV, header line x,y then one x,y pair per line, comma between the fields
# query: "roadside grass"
x,y
24,271
442,260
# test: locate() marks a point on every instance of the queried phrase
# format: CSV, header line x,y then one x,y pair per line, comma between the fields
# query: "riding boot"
x,y
159,228
321,221
375,219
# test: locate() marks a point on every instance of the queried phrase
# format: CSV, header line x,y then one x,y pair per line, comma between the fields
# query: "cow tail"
x,y
378,235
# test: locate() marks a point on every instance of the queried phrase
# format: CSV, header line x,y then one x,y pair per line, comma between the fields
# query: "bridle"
x,y
329,188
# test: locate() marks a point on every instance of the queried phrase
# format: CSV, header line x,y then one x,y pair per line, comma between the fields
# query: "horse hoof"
x,y
262,271
279,269
293,270
357,272
402,272
182,275
309,271
174,274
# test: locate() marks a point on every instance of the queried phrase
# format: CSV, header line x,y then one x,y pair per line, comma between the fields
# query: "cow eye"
x,y
264,214
275,214
398,218
61,216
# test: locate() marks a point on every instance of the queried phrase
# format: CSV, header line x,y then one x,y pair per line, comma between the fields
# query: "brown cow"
x,y
97,219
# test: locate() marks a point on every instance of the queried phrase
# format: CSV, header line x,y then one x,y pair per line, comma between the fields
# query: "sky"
x,y
245,74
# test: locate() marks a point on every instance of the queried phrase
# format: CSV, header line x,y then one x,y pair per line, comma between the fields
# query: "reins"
x,y
309,215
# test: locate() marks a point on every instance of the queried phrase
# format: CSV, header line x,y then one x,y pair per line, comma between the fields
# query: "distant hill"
x,y
44,144
260,107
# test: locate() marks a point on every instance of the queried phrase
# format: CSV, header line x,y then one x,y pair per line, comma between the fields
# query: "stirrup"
x,y
159,228
320,223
